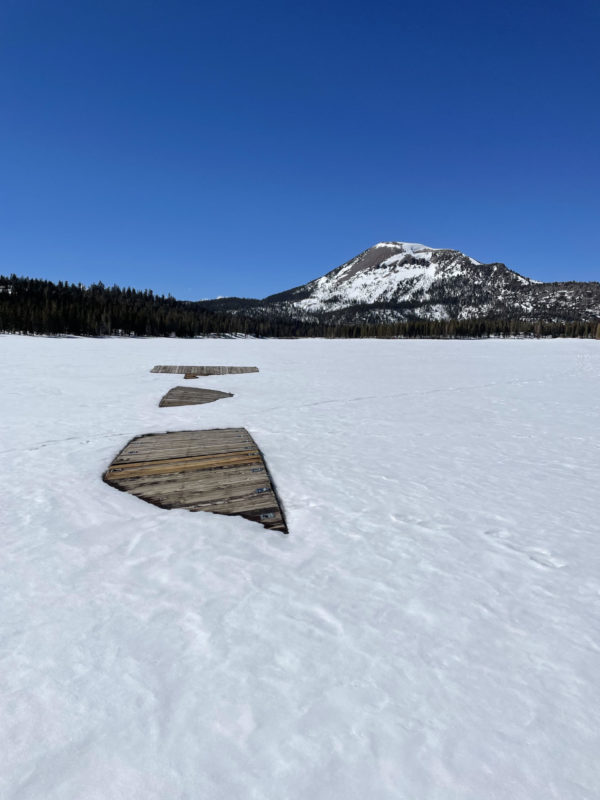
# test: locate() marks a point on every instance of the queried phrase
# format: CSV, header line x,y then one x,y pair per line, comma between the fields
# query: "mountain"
x,y
395,281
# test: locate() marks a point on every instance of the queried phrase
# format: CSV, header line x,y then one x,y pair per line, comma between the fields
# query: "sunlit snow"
x,y
429,630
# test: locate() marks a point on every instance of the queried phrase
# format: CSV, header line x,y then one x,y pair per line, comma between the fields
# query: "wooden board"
x,y
188,396
202,370
219,470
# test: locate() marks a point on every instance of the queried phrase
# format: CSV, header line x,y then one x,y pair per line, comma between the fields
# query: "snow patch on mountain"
x,y
406,271
394,281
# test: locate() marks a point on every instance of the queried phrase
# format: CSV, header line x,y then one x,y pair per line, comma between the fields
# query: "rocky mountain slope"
x,y
399,281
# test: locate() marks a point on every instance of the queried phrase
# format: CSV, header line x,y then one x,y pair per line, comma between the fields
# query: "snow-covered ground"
x,y
429,630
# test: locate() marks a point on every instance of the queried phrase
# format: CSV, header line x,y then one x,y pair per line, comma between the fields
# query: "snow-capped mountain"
x,y
401,280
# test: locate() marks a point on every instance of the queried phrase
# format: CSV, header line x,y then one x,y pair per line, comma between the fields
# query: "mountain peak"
x,y
377,255
406,247
392,281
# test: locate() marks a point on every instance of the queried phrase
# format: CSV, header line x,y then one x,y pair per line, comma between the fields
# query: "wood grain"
x,y
220,470
177,370
190,396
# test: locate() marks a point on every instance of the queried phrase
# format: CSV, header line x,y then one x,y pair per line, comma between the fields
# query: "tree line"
x,y
33,306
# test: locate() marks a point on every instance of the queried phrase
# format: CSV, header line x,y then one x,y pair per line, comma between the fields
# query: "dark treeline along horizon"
x,y
34,306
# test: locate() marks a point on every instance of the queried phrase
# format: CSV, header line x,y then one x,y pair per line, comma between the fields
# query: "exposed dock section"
x,y
221,471
184,396
202,370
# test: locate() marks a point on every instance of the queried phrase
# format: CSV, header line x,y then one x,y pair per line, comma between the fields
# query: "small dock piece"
x,y
189,371
187,396
219,470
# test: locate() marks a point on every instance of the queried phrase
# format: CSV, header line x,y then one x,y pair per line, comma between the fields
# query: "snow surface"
x,y
429,630
374,284
407,247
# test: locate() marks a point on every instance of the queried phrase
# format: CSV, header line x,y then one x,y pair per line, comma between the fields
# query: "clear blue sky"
x,y
225,148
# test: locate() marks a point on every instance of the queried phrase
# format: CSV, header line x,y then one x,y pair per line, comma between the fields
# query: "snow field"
x,y
429,630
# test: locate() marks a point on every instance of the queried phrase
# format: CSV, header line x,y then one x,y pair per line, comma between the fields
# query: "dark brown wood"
x,y
188,371
220,470
190,396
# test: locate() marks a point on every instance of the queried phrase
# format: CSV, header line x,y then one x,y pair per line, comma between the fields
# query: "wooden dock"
x,y
178,370
221,471
184,396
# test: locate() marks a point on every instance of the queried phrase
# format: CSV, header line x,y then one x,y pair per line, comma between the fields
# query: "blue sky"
x,y
244,148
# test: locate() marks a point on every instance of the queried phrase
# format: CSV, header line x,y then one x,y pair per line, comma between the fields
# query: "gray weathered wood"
x,y
177,370
219,470
190,396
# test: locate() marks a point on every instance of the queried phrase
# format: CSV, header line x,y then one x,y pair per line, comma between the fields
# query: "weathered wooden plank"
x,y
148,448
202,370
175,465
181,452
179,441
248,496
221,471
185,396
181,461
192,484
179,449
